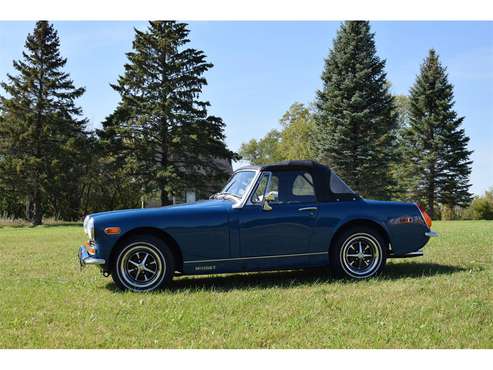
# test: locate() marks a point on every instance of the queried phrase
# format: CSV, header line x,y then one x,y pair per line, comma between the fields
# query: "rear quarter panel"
x,y
404,238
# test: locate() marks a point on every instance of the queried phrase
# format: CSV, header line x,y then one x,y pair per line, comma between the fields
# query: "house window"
x,y
190,197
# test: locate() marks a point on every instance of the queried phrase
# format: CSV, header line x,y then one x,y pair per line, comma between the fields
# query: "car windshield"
x,y
238,184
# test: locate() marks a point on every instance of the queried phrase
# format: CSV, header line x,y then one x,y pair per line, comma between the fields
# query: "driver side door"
x,y
285,229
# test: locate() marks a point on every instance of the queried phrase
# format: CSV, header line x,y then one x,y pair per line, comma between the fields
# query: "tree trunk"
x,y
165,201
29,209
37,218
431,194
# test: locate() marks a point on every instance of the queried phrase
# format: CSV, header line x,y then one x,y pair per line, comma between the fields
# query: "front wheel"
x,y
359,253
144,263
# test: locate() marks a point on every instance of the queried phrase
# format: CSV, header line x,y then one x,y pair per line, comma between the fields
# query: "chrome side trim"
x,y
257,257
431,234
308,209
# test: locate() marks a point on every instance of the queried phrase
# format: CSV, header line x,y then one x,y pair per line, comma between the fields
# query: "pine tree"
x,y
168,139
403,179
437,153
355,115
40,129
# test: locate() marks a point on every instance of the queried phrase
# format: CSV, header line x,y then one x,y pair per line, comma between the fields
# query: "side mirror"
x,y
266,199
266,206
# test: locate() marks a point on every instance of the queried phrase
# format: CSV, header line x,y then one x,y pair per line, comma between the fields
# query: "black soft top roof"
x,y
298,164
287,165
321,176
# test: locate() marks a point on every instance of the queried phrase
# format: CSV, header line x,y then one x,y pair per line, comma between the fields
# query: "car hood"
x,y
178,209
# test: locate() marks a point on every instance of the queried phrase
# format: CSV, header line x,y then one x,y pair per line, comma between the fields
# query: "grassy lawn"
x,y
441,300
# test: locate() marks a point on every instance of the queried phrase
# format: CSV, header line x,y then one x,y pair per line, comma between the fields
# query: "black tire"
x,y
359,252
143,263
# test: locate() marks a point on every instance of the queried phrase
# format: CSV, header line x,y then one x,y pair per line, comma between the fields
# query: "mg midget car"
x,y
288,215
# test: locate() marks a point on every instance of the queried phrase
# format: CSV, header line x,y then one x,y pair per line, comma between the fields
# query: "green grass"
x,y
441,300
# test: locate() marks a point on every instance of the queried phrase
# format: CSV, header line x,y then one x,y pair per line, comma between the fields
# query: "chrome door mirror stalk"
x,y
268,196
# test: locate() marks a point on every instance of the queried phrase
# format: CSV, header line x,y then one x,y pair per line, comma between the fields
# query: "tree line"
x,y
385,147
160,133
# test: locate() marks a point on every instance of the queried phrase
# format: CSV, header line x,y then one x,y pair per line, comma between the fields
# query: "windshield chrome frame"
x,y
246,195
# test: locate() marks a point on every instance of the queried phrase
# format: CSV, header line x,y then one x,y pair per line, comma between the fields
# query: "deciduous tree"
x,y
293,141
264,150
297,135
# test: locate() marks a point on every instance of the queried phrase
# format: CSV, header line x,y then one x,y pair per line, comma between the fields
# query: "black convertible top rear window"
x,y
337,186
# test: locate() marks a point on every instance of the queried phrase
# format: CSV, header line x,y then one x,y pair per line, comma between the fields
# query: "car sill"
x,y
256,257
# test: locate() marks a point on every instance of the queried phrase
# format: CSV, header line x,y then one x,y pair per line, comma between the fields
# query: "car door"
x,y
287,228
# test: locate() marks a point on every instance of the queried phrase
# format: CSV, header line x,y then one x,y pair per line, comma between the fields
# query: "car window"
x,y
274,189
303,185
293,187
337,186
259,192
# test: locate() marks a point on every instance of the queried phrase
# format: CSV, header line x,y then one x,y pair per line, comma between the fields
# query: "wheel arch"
x,y
161,234
360,222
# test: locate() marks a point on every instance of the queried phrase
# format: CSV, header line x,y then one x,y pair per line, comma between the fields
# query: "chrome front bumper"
x,y
431,234
86,259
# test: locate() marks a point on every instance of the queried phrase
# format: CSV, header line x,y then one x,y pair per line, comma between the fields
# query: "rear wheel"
x,y
359,252
144,263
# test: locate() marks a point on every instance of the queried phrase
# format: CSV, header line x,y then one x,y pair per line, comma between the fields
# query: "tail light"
x,y
425,215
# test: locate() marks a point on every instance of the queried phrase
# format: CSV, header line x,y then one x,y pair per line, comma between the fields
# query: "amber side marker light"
x,y
112,230
425,215
90,249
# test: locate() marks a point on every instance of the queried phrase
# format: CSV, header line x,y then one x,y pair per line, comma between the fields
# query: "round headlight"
x,y
89,227
86,219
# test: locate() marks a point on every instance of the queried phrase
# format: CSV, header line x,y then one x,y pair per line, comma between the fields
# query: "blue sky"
x,y
261,68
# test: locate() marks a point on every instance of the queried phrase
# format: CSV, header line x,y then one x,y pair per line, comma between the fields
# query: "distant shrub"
x,y
446,213
481,207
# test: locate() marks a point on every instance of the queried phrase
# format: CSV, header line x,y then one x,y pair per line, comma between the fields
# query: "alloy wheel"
x,y
361,255
141,266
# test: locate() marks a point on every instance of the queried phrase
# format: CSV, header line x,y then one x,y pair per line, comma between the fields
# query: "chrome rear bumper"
x,y
431,234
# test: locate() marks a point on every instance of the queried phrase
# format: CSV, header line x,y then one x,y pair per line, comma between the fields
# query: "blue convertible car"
x,y
289,215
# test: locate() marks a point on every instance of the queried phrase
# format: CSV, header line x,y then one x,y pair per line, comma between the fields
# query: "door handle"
x,y
308,209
